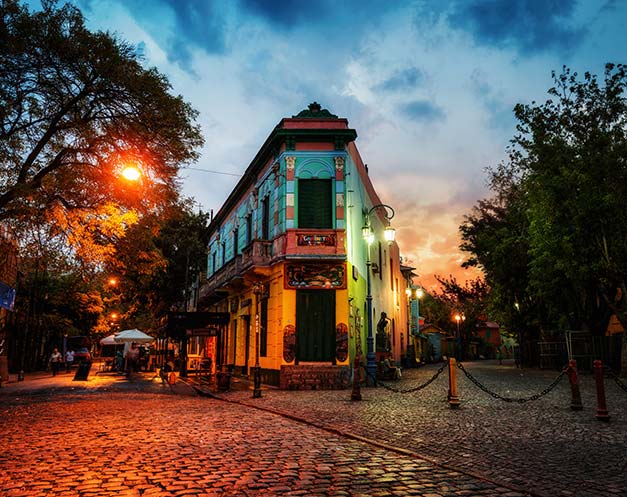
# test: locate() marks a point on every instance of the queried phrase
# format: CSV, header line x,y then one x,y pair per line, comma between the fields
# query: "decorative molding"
x,y
339,164
315,111
318,276
290,162
339,200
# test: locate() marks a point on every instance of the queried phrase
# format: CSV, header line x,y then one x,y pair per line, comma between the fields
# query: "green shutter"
x,y
315,203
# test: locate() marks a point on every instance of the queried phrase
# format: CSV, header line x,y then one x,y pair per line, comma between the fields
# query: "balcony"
x,y
256,254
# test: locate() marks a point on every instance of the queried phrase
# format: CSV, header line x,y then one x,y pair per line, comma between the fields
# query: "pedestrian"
x,y
69,360
119,361
132,356
55,361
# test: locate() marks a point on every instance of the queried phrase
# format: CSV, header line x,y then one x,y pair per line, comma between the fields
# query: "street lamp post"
x,y
368,235
257,290
414,294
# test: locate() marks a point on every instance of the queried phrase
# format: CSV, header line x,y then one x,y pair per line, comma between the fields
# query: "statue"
x,y
383,338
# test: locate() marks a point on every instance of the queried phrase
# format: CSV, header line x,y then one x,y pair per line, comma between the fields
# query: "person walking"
x,y
55,361
69,360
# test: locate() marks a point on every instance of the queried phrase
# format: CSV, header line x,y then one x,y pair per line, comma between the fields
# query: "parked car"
x,y
82,354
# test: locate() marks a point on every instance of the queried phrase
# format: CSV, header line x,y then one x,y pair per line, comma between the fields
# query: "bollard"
x,y
575,401
356,393
602,414
453,400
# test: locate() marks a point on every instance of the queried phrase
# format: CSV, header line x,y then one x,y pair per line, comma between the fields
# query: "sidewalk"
x,y
44,382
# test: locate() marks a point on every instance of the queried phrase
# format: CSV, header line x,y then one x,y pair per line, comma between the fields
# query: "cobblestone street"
x,y
115,437
542,446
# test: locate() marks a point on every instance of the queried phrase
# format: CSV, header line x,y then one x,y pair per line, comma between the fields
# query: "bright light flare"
x,y
131,173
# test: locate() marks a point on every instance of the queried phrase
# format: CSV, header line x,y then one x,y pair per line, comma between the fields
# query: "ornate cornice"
x,y
315,111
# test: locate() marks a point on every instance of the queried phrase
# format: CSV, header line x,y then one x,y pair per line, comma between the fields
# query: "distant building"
x,y
287,260
489,334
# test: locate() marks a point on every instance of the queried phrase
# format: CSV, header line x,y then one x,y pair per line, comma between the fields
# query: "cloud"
x,y
422,111
530,26
402,80
288,12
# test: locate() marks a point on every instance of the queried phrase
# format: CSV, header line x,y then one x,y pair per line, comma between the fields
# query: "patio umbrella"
x,y
134,335
108,340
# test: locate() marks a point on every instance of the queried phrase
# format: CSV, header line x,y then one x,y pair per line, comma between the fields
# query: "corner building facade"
x,y
287,260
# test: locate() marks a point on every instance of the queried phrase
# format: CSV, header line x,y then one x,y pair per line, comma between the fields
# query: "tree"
x,y
157,261
553,238
469,302
75,107
574,167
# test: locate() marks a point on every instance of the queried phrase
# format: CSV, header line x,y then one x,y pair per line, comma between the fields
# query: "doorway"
x,y
315,325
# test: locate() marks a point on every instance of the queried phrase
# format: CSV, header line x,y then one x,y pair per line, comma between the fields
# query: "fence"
x,y
569,370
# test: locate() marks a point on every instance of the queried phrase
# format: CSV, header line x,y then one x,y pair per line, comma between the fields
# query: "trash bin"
x,y
83,371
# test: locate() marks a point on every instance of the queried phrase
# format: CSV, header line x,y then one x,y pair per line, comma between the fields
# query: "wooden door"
x,y
315,325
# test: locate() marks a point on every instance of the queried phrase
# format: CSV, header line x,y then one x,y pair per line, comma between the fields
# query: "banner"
x,y
7,296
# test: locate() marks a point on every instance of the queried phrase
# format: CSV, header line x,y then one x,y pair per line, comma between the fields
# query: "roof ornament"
x,y
316,111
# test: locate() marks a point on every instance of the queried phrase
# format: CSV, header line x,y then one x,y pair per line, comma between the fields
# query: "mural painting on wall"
x,y
315,276
316,240
341,342
289,343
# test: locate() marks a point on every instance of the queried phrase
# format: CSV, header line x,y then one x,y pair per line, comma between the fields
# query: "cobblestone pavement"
x,y
110,436
128,440
542,447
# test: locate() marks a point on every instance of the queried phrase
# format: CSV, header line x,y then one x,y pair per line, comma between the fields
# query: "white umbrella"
x,y
134,335
109,340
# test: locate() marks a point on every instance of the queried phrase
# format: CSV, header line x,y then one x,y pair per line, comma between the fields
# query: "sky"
x,y
429,86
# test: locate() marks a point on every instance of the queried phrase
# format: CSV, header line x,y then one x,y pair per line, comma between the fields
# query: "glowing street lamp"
x,y
131,173
368,235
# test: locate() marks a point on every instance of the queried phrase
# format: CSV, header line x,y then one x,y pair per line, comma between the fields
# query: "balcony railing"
x,y
258,253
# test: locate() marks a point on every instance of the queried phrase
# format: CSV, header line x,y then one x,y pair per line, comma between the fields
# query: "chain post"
x,y
453,399
575,401
602,413
356,393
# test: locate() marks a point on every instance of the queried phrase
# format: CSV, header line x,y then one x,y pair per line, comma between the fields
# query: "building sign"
x,y
316,240
180,322
7,296
317,276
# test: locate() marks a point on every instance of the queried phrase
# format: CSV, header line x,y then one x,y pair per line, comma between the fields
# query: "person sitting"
x,y
388,370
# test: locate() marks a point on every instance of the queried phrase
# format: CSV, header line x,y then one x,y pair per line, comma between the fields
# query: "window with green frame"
x,y
315,203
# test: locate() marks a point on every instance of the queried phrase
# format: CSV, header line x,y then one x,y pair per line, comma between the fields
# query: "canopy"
x,y
134,335
109,340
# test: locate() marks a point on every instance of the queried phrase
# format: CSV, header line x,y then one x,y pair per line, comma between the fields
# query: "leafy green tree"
x,y
552,241
77,106
468,302
572,156
157,261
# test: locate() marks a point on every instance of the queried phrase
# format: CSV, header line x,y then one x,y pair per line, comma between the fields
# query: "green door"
x,y
315,325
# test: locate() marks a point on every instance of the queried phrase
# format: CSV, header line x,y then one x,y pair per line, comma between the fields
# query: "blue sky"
x,y
429,85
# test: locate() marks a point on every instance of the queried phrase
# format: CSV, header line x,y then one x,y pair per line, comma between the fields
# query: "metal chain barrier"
x,y
609,372
411,390
510,399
